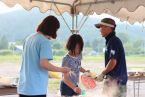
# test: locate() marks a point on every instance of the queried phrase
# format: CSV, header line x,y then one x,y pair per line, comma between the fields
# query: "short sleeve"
x,y
65,62
46,51
114,49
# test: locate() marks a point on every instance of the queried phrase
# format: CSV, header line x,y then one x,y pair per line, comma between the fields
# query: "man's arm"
x,y
110,66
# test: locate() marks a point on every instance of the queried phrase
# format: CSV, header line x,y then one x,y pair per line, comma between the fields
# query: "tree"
x,y
3,42
57,45
98,44
138,43
128,48
124,37
87,44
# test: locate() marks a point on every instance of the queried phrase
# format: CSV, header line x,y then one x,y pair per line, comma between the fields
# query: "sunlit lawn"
x,y
130,59
10,58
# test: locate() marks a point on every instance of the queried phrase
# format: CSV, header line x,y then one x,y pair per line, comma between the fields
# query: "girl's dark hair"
x,y
73,40
49,26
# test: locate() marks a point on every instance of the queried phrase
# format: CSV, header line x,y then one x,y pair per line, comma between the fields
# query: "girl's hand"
x,y
77,90
84,70
90,74
87,71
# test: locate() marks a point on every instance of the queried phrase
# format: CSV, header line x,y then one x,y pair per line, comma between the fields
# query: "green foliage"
x,y
17,31
124,37
5,52
135,48
127,48
98,45
20,42
57,52
3,42
87,44
56,45
12,47
138,43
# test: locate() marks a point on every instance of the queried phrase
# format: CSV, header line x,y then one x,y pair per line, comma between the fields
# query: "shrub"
x,y
6,52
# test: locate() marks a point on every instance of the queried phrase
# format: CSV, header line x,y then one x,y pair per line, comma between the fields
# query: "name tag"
x,y
104,50
113,52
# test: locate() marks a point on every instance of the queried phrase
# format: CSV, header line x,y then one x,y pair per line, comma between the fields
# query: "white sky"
x,y
4,8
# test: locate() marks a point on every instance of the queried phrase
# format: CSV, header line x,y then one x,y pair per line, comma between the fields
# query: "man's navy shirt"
x,y
114,49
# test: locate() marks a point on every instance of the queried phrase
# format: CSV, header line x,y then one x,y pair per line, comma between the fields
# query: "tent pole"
x,y
52,2
62,17
77,23
97,2
73,18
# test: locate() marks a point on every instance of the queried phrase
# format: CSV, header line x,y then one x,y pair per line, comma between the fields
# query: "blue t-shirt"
x,y
74,63
34,79
114,49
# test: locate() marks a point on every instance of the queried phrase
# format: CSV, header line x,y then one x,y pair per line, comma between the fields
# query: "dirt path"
x,y
9,69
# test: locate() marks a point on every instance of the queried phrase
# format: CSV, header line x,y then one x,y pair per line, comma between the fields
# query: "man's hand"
x,y
100,77
90,74
77,90
65,70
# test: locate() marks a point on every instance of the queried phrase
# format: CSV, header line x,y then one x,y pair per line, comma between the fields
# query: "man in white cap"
x,y
115,69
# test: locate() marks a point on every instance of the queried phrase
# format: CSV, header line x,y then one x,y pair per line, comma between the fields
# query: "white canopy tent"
x,y
131,10
126,10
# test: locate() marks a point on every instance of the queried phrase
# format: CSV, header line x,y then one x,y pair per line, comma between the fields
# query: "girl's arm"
x,y
67,81
83,70
70,84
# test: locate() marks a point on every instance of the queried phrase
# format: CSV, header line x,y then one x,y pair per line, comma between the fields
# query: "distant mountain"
x,y
18,24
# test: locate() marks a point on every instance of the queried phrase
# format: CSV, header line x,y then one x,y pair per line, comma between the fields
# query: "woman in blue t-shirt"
x,y
37,53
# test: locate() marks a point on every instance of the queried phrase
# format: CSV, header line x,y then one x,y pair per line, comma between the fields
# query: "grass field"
x,y
130,59
10,58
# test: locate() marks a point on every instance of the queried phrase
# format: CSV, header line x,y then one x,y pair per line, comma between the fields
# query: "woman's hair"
x,y
73,40
49,26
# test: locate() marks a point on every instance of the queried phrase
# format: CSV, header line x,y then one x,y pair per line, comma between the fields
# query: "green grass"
x,y
10,58
100,58
136,59
136,68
